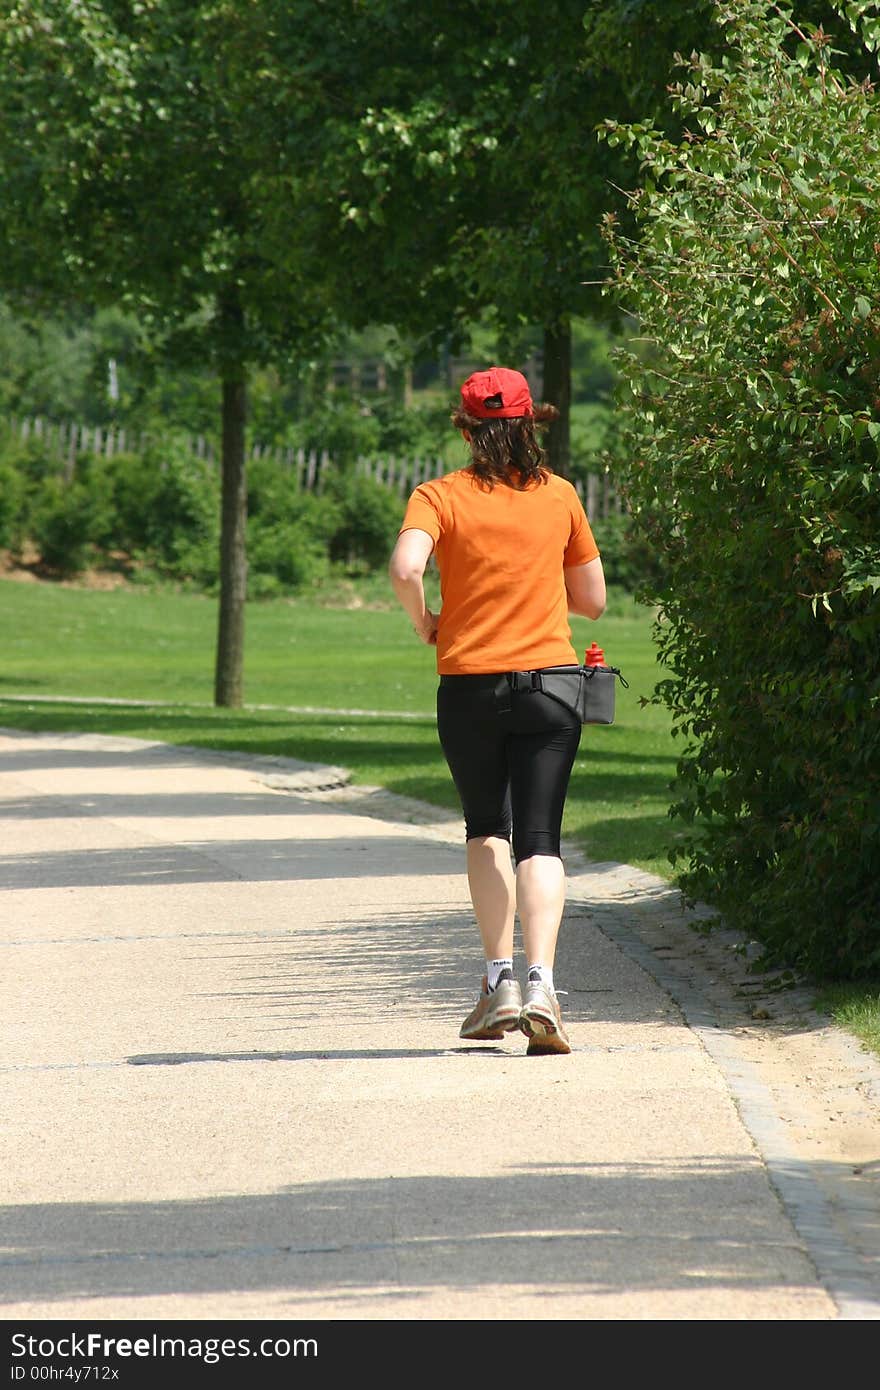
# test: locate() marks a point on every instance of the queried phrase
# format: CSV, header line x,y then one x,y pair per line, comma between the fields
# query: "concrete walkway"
x,y
233,1086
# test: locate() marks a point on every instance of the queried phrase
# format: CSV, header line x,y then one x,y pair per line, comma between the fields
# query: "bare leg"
x,y
540,897
540,900
493,893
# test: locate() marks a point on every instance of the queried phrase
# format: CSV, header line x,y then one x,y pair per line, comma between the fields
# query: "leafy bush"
x,y
25,468
284,557
168,501
751,468
12,496
342,426
289,532
64,521
161,507
92,503
369,517
61,526
628,559
422,431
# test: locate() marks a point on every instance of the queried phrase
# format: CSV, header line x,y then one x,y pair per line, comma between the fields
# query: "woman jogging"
x,y
515,555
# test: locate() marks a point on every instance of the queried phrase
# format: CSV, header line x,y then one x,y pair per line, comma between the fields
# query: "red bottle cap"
x,y
594,656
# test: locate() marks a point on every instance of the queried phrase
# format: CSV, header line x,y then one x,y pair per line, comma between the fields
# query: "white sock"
x,y
542,975
494,969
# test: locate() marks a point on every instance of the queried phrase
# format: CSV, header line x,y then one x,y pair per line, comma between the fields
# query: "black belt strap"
x,y
514,681
502,695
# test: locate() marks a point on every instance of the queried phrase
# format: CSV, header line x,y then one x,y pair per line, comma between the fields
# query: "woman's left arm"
x,y
406,569
585,586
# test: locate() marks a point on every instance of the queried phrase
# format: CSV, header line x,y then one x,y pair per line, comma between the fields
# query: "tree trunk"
x,y
228,677
557,391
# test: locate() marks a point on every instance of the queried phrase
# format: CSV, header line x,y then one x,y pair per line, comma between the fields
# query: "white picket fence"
x,y
402,475
67,439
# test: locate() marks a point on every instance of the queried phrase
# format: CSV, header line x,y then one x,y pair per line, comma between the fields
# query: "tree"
x,y
162,173
468,165
751,467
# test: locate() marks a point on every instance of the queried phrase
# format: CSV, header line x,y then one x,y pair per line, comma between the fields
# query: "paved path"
x,y
233,1086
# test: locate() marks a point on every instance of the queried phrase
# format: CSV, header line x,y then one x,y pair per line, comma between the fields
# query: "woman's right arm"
x,y
406,569
585,586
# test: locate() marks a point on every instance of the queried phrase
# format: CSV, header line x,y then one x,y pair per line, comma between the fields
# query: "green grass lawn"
x,y
158,646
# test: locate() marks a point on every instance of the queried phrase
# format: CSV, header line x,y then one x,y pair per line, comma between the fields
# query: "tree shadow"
x,y
604,1229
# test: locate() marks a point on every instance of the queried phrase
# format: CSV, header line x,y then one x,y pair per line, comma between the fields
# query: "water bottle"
x,y
599,687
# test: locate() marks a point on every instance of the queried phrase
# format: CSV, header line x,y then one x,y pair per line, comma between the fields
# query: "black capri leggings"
x,y
511,769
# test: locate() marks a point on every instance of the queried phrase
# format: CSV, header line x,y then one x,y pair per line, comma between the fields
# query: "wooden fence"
x,y
67,439
312,467
402,475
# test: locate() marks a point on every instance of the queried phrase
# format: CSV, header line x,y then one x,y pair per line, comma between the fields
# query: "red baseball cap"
x,y
497,394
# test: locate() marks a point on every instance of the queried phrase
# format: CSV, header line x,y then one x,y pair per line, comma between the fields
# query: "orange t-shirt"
x,y
501,554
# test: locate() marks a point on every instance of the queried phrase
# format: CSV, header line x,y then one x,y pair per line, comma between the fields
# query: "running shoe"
x,y
495,1014
541,1021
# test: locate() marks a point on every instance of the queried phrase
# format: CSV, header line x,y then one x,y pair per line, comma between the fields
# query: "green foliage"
x,y
167,505
285,556
339,424
165,499
485,117
417,431
163,156
627,557
466,168
162,170
44,364
289,532
751,462
12,489
592,367
369,518
62,521
24,464
155,515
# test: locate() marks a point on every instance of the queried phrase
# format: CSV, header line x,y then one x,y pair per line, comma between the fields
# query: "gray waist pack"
x,y
588,691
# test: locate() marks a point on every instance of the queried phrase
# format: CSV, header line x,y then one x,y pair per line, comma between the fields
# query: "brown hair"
x,y
506,450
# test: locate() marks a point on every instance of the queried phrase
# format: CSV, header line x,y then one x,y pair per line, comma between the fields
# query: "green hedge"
x,y
751,469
